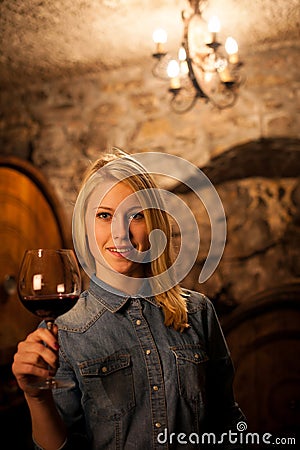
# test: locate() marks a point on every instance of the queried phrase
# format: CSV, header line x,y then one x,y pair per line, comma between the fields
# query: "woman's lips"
x,y
120,252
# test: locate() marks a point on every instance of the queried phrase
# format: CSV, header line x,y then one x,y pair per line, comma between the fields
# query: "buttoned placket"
x,y
154,371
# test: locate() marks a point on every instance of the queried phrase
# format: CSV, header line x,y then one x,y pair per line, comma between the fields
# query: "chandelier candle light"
x,y
201,69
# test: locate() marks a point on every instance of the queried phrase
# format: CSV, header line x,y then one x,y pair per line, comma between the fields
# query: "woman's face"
x,y
119,230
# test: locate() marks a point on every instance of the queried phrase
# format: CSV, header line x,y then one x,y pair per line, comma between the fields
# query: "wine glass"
x,y
49,285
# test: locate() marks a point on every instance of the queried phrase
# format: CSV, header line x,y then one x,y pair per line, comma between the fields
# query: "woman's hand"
x,y
37,356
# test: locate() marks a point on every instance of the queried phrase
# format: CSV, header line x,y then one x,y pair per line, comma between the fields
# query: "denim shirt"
x,y
137,383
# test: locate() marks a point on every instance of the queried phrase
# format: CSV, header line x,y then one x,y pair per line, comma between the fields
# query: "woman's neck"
x,y
124,283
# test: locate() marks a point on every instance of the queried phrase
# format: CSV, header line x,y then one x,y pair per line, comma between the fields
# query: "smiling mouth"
x,y
123,251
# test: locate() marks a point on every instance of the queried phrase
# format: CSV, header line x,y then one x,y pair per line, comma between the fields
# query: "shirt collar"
x,y
112,298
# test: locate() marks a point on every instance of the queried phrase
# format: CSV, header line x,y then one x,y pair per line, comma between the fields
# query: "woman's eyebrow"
x,y
129,209
107,208
135,207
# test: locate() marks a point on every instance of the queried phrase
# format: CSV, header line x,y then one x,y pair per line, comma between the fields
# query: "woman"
x,y
148,361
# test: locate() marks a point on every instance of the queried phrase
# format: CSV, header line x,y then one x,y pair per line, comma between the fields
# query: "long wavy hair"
x,y
120,166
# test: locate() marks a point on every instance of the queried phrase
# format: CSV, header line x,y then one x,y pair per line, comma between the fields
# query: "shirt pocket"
x,y
191,362
108,389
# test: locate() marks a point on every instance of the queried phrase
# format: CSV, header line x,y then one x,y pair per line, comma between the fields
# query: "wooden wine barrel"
x,y
264,339
31,217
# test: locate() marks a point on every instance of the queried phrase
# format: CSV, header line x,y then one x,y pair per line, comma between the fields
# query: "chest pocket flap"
x,y
191,372
107,386
189,353
104,366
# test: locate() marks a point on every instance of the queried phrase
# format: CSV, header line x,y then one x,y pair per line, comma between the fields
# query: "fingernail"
x,y
56,345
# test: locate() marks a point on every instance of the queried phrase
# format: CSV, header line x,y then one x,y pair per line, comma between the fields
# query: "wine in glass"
x,y
49,285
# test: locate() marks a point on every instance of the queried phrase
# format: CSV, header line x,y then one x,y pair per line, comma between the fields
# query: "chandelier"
x,y
201,70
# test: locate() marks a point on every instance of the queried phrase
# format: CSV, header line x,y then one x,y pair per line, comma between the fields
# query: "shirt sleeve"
x,y
74,442
224,413
68,403
62,447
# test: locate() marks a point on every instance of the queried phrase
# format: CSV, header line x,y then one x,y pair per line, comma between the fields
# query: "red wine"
x,y
48,307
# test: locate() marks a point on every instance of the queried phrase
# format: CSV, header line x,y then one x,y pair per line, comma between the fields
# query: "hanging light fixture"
x,y
201,70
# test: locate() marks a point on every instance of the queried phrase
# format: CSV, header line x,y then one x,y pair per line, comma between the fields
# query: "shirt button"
x,y
158,424
138,322
155,388
196,355
148,352
104,369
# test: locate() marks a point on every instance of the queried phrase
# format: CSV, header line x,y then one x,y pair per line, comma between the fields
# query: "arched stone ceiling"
x,y
47,38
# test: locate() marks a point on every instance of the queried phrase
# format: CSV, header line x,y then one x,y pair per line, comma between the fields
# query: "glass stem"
x,y
49,379
49,324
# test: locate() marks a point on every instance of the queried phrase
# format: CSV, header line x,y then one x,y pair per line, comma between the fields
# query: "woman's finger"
x,y
36,353
42,335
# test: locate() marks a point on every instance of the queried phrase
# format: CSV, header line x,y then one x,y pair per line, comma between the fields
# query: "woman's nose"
x,y
120,227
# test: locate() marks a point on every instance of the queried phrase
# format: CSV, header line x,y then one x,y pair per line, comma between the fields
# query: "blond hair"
x,y
119,165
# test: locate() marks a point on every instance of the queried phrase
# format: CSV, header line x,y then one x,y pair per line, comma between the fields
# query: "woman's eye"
x,y
137,216
103,215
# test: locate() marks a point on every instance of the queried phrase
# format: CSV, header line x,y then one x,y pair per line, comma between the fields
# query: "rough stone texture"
x,y
63,124
250,152
76,78
47,39
263,238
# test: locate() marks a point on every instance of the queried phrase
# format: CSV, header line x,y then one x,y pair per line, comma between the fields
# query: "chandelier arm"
x,y
181,110
203,71
185,44
229,103
194,5
154,70
198,5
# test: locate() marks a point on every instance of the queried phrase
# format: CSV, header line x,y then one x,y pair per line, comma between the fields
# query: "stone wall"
x,y
263,240
250,152
61,125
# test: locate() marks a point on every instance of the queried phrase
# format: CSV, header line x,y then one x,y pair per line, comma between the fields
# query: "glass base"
x,y
52,383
